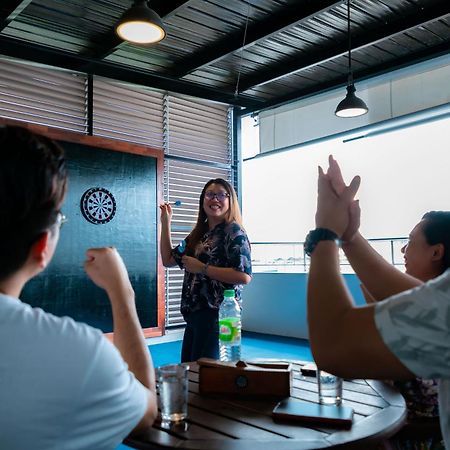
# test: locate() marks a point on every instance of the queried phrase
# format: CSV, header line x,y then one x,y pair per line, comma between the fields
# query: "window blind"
x,y
197,129
184,181
197,144
43,95
129,113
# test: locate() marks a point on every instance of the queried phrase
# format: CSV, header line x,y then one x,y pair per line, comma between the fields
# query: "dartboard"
x,y
98,205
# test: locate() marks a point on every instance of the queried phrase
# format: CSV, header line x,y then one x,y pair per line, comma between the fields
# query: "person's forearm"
x,y
368,297
344,339
129,339
380,277
227,275
328,300
166,245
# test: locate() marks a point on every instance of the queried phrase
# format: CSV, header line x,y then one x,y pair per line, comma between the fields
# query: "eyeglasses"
x,y
61,219
221,196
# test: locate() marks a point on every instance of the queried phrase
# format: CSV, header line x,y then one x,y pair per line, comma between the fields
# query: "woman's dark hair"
x,y
201,227
33,182
436,228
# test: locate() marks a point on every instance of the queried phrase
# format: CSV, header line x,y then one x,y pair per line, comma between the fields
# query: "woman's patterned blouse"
x,y
226,245
421,397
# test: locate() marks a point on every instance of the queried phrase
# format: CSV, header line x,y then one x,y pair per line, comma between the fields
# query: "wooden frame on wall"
x,y
124,147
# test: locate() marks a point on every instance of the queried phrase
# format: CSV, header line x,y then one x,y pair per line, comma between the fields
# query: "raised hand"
x,y
353,222
332,208
166,213
334,174
106,269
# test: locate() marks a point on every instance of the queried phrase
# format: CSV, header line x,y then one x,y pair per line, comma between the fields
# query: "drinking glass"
x,y
173,393
330,388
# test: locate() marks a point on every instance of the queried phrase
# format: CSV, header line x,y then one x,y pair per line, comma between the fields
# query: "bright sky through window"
x,y
405,173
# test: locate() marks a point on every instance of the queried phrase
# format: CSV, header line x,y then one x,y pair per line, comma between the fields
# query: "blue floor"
x,y
254,345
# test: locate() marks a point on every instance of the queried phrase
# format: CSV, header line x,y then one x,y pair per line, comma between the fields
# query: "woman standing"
x,y
216,257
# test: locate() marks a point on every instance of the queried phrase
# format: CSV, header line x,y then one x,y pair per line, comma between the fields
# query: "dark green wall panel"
x,y
64,288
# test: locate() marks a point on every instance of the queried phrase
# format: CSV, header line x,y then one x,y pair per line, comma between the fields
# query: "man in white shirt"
x,y
62,384
407,334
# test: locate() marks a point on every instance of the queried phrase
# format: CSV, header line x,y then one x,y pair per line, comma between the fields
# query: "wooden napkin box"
x,y
265,379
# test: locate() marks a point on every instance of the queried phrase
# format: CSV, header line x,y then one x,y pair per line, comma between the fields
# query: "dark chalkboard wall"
x,y
64,288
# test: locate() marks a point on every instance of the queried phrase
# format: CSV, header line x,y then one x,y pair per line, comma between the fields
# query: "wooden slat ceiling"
x,y
293,48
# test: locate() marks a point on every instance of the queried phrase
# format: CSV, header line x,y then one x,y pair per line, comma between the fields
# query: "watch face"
x,y
98,205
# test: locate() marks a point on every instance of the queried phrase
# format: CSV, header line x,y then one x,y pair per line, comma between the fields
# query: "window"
x,y
404,174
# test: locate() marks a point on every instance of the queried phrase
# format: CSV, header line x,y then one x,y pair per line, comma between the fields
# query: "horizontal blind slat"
x,y
197,130
128,113
42,95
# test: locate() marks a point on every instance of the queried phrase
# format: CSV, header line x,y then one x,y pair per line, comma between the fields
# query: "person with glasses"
x,y
215,256
63,384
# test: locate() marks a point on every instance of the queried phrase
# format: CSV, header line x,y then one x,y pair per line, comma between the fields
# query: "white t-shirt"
x,y
62,384
415,325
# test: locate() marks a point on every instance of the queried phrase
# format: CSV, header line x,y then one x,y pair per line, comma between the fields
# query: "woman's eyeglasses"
x,y
61,219
220,196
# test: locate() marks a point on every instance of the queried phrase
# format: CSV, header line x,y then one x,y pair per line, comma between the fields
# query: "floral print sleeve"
x,y
178,252
226,245
238,250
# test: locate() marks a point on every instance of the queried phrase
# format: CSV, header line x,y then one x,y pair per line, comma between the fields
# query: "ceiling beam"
x,y
272,25
66,60
293,65
10,9
341,82
165,10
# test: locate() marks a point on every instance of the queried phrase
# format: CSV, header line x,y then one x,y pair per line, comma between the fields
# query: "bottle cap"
x,y
228,293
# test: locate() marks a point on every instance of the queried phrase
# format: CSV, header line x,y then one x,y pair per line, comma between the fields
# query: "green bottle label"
x,y
230,330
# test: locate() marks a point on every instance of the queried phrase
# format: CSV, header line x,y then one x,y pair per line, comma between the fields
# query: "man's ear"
x,y
438,252
40,251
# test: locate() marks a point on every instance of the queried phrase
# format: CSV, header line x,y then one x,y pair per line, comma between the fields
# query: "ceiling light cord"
x,y
351,106
236,91
349,34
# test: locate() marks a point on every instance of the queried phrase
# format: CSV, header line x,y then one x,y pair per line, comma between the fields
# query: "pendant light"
x,y
351,106
141,25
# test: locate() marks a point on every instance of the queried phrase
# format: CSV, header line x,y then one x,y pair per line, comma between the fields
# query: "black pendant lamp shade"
x,y
141,25
351,106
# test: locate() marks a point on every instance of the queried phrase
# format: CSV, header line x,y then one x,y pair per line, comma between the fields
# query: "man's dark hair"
x,y
436,228
33,182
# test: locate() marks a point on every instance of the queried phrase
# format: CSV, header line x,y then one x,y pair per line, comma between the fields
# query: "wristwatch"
x,y
317,235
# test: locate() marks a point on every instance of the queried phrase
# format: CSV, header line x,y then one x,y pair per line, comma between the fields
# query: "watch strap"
x,y
317,235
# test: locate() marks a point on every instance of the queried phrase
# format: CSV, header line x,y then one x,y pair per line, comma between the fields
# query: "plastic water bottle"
x,y
229,328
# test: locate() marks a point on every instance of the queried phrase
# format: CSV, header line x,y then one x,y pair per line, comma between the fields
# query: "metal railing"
x,y
291,257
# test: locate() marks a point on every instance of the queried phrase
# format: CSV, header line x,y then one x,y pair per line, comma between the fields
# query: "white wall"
x,y
406,91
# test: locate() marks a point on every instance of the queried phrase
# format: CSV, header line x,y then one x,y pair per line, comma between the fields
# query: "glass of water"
x,y
173,393
330,388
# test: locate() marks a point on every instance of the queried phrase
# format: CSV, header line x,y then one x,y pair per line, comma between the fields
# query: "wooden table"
x,y
224,423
